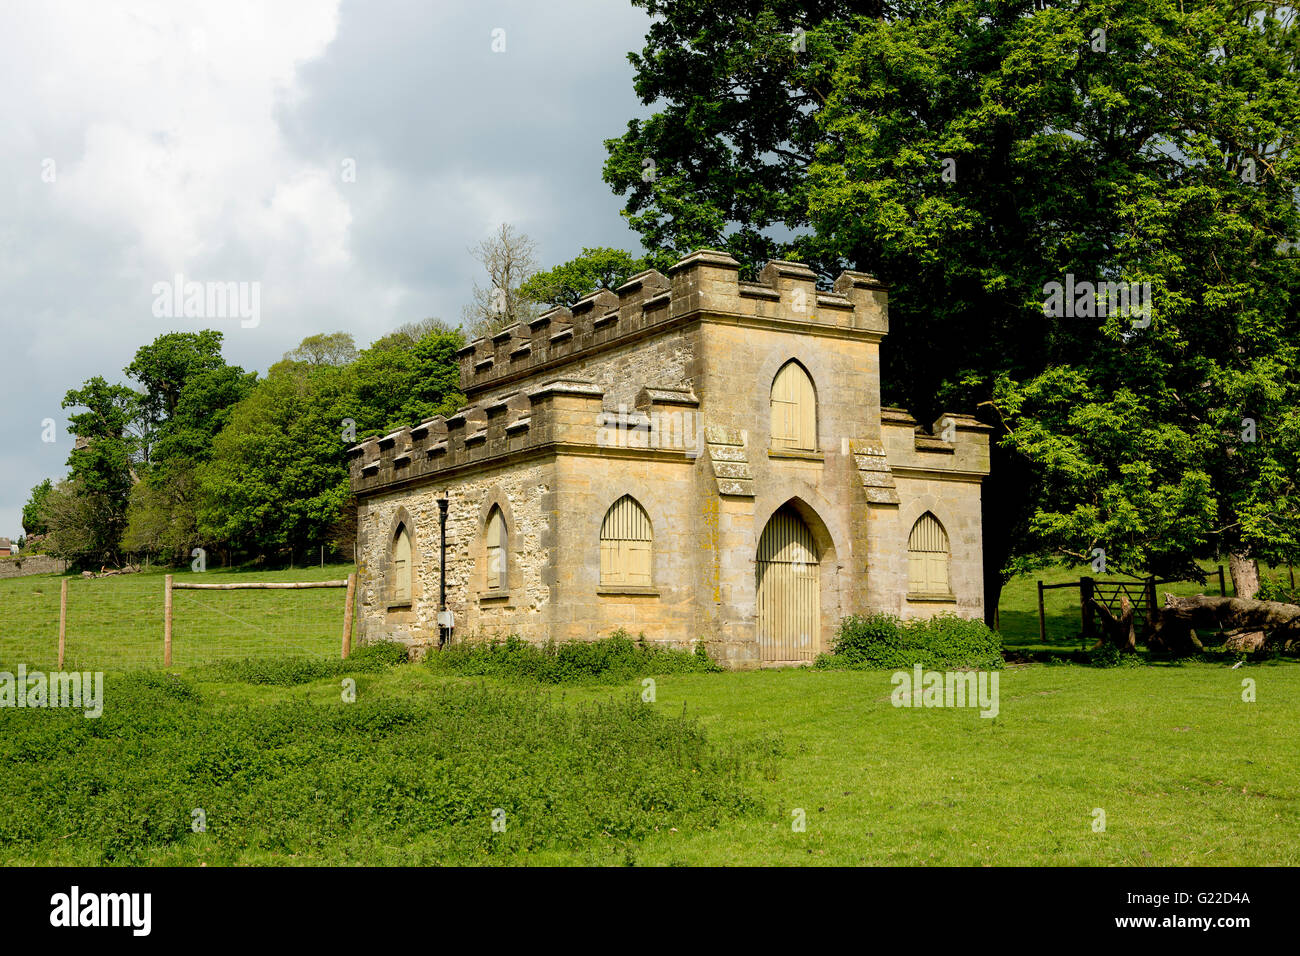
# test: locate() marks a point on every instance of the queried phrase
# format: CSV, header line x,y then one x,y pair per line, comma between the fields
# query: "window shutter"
x,y
794,410
401,573
916,572
927,557
638,563
626,546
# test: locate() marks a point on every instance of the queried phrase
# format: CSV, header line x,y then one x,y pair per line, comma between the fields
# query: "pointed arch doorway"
x,y
788,589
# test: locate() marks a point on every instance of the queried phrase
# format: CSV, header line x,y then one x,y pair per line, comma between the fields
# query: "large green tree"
x,y
595,268
34,522
401,380
101,470
163,367
189,394
276,481
277,478
970,153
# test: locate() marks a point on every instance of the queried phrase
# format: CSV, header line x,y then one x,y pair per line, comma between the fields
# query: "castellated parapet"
x,y
668,390
535,409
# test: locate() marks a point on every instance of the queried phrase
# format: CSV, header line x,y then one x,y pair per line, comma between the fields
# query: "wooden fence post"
x,y
63,620
1042,619
1150,587
347,615
167,622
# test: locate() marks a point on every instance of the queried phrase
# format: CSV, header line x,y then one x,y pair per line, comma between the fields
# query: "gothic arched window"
x,y
625,544
794,410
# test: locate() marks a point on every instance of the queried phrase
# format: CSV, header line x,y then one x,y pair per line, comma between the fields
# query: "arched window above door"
x,y
794,410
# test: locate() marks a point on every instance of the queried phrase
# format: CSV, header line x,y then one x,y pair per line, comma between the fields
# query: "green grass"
x,y
116,623
288,772
1186,772
457,774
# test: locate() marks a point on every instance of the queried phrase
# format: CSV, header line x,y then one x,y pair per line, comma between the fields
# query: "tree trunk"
x,y
1245,575
1244,642
1118,631
1253,625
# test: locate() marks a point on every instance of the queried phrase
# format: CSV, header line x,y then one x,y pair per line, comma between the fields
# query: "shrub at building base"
x,y
886,642
611,660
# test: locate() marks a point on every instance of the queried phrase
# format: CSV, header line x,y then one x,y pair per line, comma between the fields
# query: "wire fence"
x,y
155,621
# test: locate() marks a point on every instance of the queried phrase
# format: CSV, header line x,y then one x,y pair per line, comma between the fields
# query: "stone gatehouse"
x,y
692,457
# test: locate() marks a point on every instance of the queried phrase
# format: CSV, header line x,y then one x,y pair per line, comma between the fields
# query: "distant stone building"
x,y
7,548
693,457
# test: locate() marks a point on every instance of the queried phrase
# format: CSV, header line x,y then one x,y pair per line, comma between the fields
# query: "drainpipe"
x,y
444,632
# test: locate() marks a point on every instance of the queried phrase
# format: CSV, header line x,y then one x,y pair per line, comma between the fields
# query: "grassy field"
x,y
1186,772
714,771
116,623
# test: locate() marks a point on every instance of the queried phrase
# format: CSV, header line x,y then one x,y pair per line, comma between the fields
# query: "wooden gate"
x,y
787,589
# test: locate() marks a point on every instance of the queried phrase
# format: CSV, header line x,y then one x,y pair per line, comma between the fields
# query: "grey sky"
x,y
143,140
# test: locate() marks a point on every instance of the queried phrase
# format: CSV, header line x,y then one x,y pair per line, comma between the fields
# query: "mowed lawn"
x,y
1186,772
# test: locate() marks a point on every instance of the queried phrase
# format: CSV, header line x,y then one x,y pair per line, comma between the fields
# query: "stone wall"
x,y
621,372
589,484
525,495
24,565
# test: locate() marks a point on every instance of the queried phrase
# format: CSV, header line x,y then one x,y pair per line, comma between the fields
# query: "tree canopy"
x,y
972,153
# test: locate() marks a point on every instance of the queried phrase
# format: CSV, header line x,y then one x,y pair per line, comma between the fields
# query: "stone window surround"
x,y
503,596
816,370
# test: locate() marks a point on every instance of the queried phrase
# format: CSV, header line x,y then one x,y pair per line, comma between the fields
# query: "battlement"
x,y
705,282
528,385
561,412
954,443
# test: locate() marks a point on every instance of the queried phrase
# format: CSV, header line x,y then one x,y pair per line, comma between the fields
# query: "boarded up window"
x,y
401,568
927,557
625,543
496,549
794,410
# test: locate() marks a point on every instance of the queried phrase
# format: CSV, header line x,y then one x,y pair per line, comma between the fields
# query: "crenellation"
x,y
870,299
432,430
550,322
593,313
910,446
796,285
705,282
